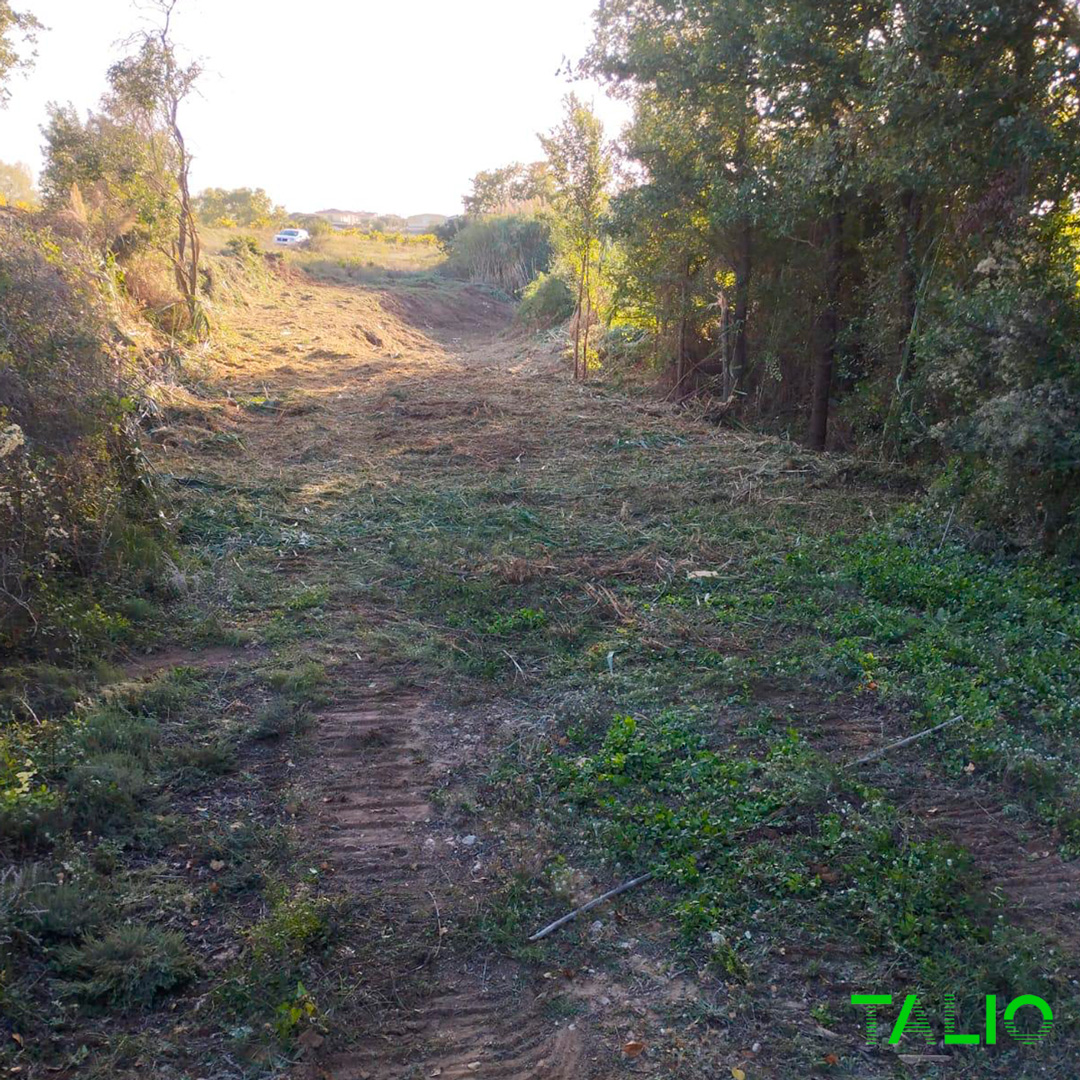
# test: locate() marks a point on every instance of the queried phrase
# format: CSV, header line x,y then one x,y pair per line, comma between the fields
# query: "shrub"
x,y
33,909
302,684
105,790
998,375
112,730
445,233
243,247
1025,450
198,761
71,475
296,926
130,967
625,345
31,813
279,719
43,688
17,907
506,252
546,302
150,283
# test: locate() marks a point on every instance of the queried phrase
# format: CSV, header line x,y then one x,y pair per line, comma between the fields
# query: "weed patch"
x,y
130,967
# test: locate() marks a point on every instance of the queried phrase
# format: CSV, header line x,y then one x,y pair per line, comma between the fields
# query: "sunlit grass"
x,y
342,256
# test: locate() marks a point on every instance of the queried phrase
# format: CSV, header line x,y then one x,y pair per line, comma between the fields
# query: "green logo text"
x,y
913,1019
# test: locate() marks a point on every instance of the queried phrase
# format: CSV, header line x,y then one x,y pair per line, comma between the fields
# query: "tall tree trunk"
x,y
907,308
909,282
682,370
680,357
743,267
1025,51
588,315
830,329
725,338
577,322
188,248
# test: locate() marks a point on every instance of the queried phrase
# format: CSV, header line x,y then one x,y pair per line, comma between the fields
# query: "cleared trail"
x,y
410,420
365,381
467,1021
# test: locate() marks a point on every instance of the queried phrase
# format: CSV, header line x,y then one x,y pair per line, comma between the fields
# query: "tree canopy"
x,y
510,189
860,217
248,207
17,183
17,34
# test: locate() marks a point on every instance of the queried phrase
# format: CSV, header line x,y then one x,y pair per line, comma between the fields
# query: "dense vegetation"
x,y
861,219
852,224
75,501
242,207
115,243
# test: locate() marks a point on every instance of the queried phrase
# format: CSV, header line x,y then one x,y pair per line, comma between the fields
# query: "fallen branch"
x,y
635,882
626,886
903,742
516,664
948,526
439,936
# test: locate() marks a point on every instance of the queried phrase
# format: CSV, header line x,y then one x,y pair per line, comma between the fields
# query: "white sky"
x,y
382,105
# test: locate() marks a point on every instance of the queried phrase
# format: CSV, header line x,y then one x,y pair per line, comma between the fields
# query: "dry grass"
x,y
336,255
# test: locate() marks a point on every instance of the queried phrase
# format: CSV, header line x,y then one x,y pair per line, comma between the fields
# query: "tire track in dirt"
x,y
1024,872
468,1022
381,388
1041,889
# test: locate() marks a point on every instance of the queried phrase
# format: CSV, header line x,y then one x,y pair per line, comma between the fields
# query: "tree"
x,y
115,178
13,25
693,70
246,207
17,183
975,119
512,189
880,201
151,86
815,78
671,263
581,168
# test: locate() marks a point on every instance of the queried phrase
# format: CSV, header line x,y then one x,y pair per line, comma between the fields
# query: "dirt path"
x,y
485,559
325,384
471,1017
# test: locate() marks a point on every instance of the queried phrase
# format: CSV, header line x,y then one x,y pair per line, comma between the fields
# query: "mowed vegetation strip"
x,y
349,638
688,639
694,625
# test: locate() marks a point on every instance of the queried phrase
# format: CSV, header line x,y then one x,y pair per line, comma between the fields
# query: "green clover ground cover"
x,y
790,843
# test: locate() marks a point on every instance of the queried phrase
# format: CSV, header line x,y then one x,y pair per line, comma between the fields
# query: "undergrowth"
x,y
679,620
144,864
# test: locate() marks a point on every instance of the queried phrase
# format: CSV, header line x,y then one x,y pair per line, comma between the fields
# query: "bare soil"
x,y
327,388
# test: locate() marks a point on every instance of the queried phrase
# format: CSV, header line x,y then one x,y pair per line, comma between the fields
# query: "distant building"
x,y
423,223
346,219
